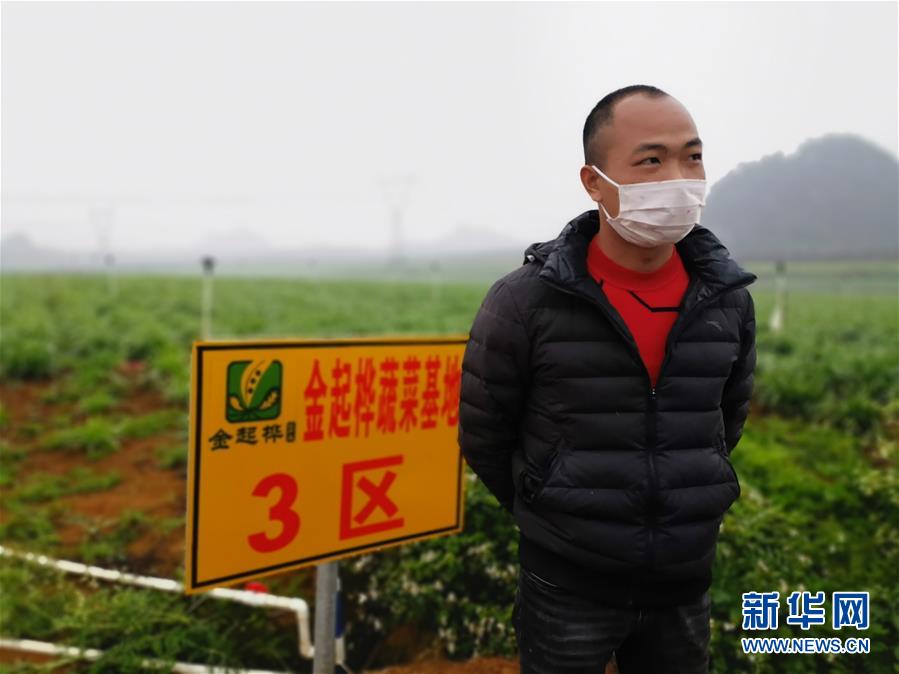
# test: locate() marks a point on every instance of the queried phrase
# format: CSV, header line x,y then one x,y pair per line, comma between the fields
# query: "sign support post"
x,y
323,652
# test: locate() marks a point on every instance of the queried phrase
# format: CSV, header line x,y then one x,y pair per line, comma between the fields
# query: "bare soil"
x,y
145,486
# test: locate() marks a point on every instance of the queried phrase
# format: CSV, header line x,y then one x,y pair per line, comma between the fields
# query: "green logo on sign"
x,y
254,390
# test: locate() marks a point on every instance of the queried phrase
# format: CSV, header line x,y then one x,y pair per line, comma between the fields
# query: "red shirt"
x,y
647,301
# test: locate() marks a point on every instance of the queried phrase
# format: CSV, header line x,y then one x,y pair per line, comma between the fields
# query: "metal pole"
x,y
341,630
323,649
206,319
777,322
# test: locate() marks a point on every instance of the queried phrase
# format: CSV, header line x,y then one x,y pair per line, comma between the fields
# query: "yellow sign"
x,y
306,451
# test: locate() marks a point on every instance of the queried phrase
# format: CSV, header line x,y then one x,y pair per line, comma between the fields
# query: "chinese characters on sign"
x,y
426,393
305,451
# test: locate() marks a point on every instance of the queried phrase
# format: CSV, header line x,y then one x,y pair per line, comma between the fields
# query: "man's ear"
x,y
590,179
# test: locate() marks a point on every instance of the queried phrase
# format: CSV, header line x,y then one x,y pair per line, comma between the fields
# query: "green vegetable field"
x,y
94,395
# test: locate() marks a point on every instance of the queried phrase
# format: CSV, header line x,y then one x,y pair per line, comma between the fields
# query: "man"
x,y
604,385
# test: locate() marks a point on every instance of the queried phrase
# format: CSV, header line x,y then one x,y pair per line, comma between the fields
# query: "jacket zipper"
x,y
652,442
653,479
679,323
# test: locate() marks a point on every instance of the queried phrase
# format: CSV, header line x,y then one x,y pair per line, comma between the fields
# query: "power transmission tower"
x,y
396,191
103,218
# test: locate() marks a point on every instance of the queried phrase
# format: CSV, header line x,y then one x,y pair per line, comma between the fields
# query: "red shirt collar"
x,y
601,266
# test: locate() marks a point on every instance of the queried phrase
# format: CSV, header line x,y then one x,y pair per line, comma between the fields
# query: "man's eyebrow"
x,y
643,147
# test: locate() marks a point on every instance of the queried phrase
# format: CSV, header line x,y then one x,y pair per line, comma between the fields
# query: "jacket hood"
x,y
564,258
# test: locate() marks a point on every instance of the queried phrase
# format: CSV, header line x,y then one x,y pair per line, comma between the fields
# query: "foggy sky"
x,y
280,119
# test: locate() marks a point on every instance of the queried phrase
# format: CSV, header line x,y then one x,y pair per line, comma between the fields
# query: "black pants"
x,y
560,632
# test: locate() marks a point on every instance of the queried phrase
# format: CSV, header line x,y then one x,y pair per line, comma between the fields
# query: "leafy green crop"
x,y
817,465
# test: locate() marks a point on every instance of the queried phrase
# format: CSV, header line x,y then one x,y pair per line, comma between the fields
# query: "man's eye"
x,y
698,155
647,159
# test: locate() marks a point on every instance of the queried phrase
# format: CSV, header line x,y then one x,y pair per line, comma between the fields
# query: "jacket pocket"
x,y
530,485
721,443
722,450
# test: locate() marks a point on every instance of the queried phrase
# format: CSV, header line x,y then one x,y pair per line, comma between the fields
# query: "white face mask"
x,y
655,213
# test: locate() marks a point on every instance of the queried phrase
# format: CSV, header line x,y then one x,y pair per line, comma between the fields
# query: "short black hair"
x,y
601,115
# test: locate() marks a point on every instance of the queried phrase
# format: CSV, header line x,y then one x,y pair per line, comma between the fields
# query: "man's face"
x,y
639,120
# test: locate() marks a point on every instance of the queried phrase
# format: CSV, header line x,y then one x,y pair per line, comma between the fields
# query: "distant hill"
x,y
836,197
19,253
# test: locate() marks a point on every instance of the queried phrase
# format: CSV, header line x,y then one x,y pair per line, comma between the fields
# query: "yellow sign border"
x,y
191,584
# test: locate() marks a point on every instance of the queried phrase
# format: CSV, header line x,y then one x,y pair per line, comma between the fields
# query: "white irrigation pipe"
x,y
45,648
258,599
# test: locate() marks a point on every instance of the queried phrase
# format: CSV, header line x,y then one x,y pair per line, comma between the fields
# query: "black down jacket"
x,y
610,480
